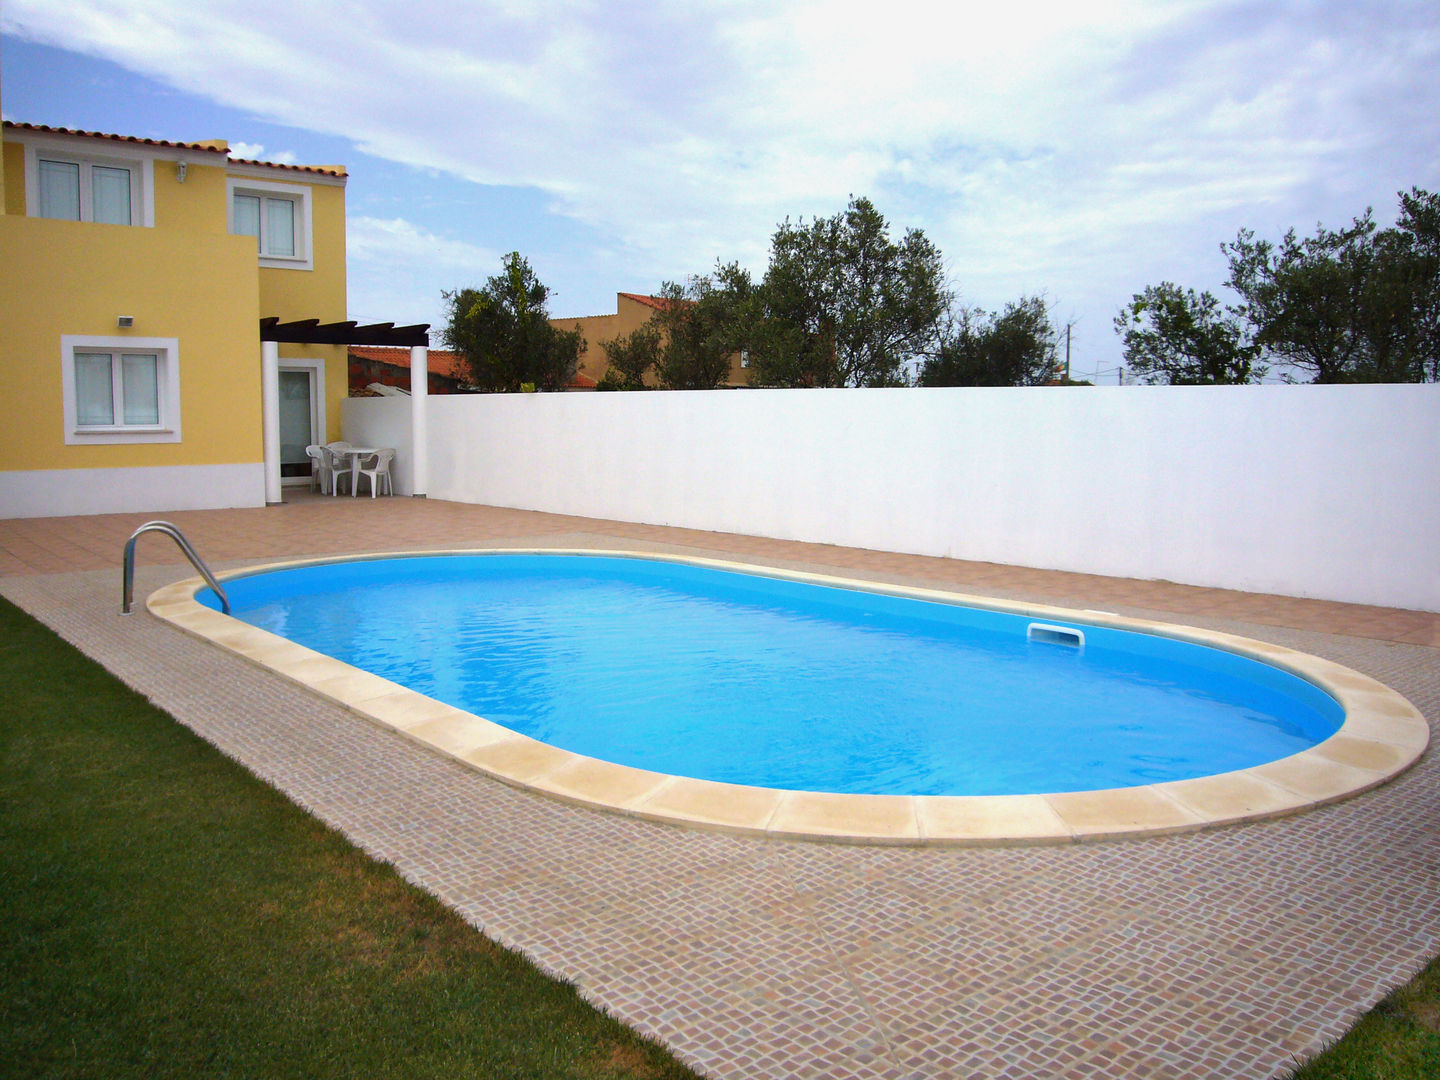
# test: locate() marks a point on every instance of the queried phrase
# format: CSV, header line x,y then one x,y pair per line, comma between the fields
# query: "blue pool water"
x,y
752,680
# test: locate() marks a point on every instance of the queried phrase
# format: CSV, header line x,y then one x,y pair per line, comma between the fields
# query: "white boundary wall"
x,y
1323,491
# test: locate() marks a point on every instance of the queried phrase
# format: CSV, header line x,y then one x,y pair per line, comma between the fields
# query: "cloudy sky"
x,y
1079,150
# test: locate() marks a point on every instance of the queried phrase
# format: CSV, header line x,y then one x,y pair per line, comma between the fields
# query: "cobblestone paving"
x,y
1218,954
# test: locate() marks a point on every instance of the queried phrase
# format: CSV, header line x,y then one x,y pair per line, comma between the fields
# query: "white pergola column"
x,y
419,419
270,418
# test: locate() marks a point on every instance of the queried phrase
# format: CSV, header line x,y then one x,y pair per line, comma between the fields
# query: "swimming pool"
x,y
716,675
912,682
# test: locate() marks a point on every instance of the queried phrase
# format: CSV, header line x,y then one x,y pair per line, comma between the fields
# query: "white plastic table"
x,y
355,453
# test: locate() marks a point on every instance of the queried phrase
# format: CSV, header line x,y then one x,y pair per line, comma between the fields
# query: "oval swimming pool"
x,y
700,672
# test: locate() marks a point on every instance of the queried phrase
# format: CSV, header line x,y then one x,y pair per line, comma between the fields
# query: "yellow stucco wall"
x,y
63,277
197,205
14,178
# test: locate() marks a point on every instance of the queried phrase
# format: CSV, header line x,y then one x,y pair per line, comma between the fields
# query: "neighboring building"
x,y
632,311
390,366
449,374
134,277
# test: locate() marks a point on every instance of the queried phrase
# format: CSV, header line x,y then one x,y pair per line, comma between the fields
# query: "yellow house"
x,y
134,277
632,311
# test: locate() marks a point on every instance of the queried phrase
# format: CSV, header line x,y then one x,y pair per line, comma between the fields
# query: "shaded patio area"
x,y
1221,953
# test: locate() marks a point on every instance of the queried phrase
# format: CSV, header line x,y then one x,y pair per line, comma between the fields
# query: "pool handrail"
x,y
175,534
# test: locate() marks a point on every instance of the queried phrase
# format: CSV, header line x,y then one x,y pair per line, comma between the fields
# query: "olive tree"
x,y
504,333
1356,304
630,358
1016,347
689,342
842,304
1177,336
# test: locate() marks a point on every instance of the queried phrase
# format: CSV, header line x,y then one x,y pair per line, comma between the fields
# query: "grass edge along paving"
x,y
164,913
1399,1039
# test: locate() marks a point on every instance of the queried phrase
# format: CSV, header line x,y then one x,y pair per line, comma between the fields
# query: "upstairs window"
x,y
120,389
277,216
77,190
271,220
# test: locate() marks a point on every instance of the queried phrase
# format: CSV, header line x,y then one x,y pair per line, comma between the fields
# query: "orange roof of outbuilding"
x,y
451,365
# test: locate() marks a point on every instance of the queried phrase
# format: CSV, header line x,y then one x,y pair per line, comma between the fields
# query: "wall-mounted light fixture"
x,y
180,171
125,322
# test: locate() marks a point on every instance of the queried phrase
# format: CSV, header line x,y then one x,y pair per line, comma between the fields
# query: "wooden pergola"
x,y
314,332
273,333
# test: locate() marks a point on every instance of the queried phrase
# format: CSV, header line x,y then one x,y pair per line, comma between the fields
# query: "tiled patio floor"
x,y
1218,954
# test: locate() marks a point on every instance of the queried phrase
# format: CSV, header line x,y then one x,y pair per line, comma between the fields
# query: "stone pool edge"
x,y
1382,736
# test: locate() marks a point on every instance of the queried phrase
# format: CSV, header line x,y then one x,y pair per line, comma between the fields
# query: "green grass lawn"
x,y
165,914
1399,1039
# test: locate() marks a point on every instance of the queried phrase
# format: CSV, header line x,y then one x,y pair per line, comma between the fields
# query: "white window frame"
x,y
167,350
140,167
300,195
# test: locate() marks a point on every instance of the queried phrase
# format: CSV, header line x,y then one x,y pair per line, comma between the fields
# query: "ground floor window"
x,y
117,388
121,389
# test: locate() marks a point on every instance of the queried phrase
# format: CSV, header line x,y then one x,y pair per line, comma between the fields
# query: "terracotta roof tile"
x,y
323,170
449,364
215,146
659,303
46,129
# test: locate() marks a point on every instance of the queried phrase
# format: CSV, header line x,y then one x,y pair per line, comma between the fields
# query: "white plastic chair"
x,y
322,468
377,467
337,460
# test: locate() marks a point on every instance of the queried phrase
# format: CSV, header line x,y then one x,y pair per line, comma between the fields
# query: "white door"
x,y
299,421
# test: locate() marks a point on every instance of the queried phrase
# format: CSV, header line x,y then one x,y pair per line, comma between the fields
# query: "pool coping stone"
x,y
1383,735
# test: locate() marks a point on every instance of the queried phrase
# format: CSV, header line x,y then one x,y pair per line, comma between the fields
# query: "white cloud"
x,y
1081,148
247,151
397,270
395,242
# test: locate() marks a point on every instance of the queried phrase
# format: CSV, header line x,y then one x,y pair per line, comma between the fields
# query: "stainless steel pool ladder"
x,y
179,538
